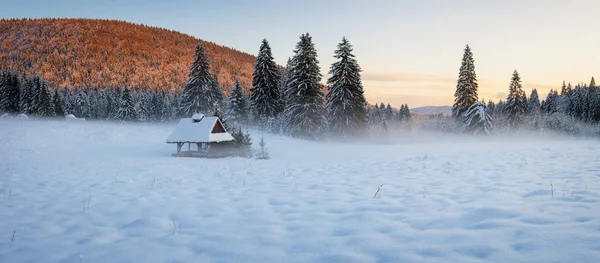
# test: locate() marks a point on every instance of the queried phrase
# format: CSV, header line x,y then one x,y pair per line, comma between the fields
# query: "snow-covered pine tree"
x,y
102,110
283,83
26,96
264,94
346,112
563,89
477,120
549,104
169,102
37,86
466,87
516,105
305,113
58,104
491,107
215,93
44,101
198,93
237,109
9,92
143,107
407,115
534,105
401,115
81,105
126,107
389,112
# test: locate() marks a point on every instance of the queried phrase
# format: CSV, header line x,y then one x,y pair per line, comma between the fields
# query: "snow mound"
x,y
71,117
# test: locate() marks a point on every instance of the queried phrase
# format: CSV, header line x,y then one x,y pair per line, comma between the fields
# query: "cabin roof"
x,y
198,130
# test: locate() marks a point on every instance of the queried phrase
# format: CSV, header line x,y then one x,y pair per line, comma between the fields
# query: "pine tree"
x,y
304,113
477,120
516,105
534,105
563,90
407,115
37,83
592,83
44,101
466,88
9,92
283,83
237,109
346,111
58,104
81,105
26,96
199,93
549,104
265,94
126,107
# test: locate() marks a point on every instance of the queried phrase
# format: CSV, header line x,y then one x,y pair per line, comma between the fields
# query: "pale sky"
x,y
410,51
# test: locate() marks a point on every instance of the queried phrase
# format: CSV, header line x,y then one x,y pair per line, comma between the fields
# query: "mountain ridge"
x,y
94,53
425,110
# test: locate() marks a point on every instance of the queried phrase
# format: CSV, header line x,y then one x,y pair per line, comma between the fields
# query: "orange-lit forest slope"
x,y
102,53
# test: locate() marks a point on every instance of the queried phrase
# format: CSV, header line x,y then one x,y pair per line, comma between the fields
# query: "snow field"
x,y
105,192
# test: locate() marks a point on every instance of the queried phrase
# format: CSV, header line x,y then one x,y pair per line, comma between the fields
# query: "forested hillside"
x,y
104,53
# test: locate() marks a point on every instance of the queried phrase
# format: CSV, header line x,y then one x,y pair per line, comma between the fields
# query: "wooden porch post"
x,y
189,146
179,147
199,146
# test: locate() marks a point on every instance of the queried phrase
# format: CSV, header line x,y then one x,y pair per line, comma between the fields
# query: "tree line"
x,y
290,99
558,111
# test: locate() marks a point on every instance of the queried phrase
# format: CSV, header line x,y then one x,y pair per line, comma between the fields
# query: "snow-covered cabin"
x,y
200,130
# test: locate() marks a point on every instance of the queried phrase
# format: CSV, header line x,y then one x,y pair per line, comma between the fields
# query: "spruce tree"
x,y
81,105
477,120
199,93
26,96
283,83
265,93
516,105
237,109
58,104
407,115
592,83
37,83
126,107
9,92
44,101
563,90
549,104
534,105
346,111
304,113
466,87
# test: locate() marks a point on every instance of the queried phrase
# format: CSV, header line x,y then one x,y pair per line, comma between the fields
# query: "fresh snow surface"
x,y
105,192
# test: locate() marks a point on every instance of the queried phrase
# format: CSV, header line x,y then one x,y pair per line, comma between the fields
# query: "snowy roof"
x,y
205,129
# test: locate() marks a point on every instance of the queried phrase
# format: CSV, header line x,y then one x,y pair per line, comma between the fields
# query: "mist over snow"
x,y
109,192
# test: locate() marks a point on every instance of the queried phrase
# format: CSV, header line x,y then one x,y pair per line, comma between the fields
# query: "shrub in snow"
x,y
263,154
242,143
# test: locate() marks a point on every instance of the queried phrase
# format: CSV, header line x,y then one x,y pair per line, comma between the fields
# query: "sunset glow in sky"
x,y
410,51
